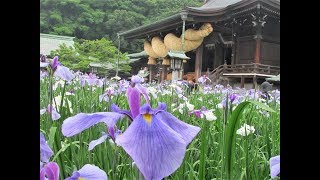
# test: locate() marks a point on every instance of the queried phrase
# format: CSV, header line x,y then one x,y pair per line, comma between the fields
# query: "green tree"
x,y
86,51
95,19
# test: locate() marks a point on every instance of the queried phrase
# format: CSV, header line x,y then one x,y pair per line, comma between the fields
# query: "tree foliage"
x,y
95,19
86,51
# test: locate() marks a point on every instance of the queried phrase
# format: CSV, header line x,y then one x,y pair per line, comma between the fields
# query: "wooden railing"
x,y
242,68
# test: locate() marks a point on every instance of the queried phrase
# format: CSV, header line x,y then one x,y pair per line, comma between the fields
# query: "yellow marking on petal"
x,y
147,118
80,178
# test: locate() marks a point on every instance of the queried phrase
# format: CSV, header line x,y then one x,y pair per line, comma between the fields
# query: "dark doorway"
x,y
208,59
228,52
189,66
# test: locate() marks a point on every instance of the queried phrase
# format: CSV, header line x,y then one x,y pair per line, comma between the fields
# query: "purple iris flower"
x,y
91,79
155,140
107,95
275,166
178,89
233,97
43,61
137,79
203,79
253,94
55,63
197,113
183,83
123,85
133,94
89,172
45,151
54,115
80,122
59,70
43,58
275,94
207,89
43,74
82,82
49,171
219,86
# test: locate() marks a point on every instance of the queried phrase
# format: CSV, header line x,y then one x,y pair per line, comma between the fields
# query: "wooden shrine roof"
x,y
216,5
212,11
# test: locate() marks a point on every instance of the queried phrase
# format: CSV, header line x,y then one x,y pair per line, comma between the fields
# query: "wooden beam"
x,y
198,63
222,29
242,82
247,74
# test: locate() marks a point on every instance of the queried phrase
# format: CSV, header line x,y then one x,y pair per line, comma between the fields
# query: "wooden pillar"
x,y
242,82
258,23
237,52
164,73
234,45
257,51
233,53
198,63
254,81
150,73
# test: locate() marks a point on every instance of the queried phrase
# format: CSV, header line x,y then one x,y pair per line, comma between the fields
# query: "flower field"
x,y
93,128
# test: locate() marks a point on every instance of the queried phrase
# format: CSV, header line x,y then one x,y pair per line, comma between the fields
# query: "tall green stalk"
x,y
203,151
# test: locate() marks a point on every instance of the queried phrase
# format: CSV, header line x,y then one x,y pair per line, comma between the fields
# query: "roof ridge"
x,y
52,36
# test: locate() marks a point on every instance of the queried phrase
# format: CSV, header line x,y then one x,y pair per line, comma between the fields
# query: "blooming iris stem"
x,y
90,99
50,93
62,96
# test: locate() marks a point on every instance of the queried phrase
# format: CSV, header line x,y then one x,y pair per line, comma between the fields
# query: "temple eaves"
x,y
212,11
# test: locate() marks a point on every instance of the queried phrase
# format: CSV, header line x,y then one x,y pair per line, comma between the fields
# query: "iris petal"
x,y
133,96
80,122
94,143
55,63
64,73
274,166
144,91
51,171
187,131
55,115
156,149
43,64
45,150
89,172
115,108
275,170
